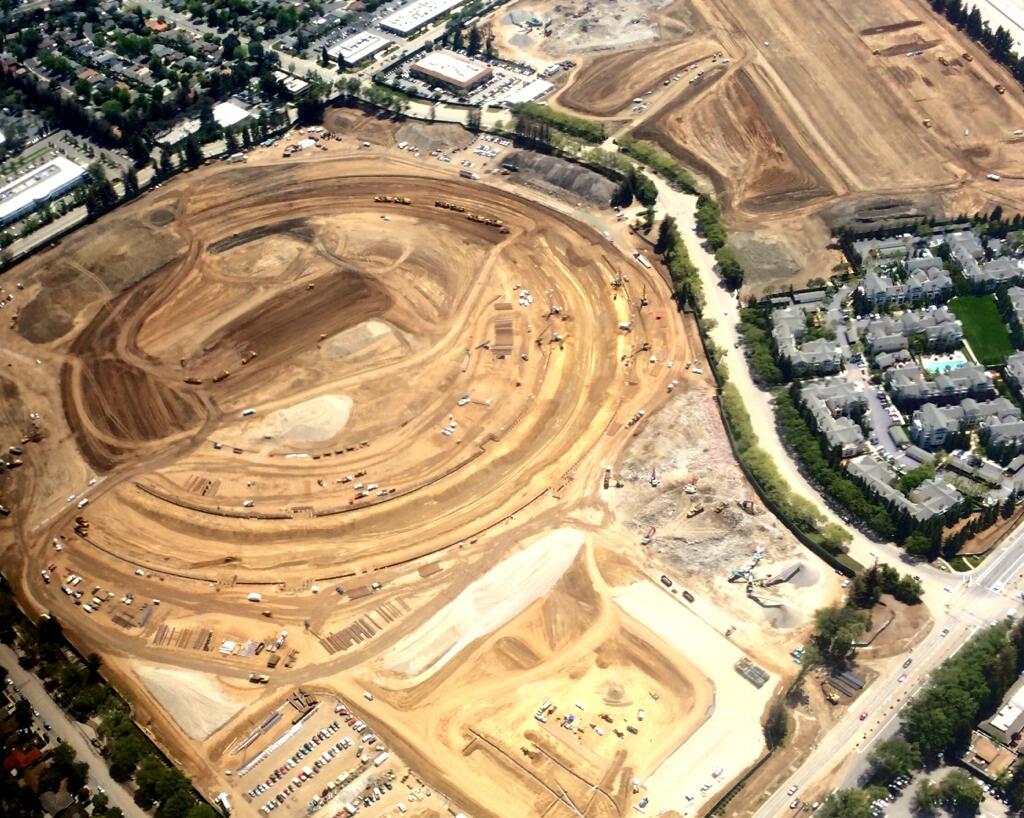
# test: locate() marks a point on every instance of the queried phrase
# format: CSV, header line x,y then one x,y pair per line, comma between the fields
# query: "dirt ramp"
x,y
113,406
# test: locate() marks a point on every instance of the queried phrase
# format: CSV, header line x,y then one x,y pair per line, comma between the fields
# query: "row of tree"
x,y
635,185
686,284
821,464
957,790
77,686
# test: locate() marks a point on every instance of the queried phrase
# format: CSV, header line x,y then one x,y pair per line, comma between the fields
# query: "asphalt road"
x,y
970,603
49,711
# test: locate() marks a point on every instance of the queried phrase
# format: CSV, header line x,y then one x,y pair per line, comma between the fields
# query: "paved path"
x,y
49,711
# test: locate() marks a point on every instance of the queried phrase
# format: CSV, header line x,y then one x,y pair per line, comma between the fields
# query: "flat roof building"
x,y
416,15
31,190
358,47
448,68
227,114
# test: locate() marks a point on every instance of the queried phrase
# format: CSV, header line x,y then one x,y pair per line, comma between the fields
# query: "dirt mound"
x,y
376,127
434,136
316,420
64,292
198,702
559,177
485,605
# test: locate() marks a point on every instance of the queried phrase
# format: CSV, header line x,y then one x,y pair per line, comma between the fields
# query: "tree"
x,y
130,180
193,153
892,758
648,219
919,544
960,789
231,145
665,231
926,796
644,189
22,714
473,44
729,268
846,804
776,726
177,805
837,628
166,167
623,196
202,811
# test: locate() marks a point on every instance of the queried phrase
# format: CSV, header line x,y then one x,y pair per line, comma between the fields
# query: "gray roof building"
x,y
990,275
932,426
932,497
910,386
834,402
940,328
929,284
1016,296
1014,370
817,357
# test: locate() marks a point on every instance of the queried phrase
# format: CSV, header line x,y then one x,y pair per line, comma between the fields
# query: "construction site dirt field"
x,y
346,424
821,113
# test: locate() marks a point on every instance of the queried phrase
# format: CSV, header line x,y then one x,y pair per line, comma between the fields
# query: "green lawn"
x,y
983,328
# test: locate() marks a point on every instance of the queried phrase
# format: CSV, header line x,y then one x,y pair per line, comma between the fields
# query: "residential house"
x,y
991,275
911,386
835,405
819,356
1014,371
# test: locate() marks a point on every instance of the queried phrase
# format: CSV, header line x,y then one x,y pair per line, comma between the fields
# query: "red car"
x,y
864,715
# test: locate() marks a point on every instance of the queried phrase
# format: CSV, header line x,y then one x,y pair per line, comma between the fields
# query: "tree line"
x,y
77,686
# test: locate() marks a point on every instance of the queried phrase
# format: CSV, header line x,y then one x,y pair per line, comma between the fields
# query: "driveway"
x,y
49,711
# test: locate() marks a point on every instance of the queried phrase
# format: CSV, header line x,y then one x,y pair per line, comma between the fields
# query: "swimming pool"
x,y
936,367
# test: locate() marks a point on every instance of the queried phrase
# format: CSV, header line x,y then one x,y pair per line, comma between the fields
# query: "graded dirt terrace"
x,y
824,113
399,320
273,410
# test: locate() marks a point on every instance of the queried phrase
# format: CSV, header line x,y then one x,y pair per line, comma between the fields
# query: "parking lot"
x,y
506,85
310,755
900,803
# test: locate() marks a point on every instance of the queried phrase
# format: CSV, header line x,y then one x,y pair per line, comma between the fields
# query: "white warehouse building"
x,y
416,15
40,185
358,47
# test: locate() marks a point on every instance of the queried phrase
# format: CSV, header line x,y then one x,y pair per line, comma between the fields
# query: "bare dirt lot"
x,y
344,421
823,111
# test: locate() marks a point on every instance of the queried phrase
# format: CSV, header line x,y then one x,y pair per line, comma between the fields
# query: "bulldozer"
x,y
695,510
830,693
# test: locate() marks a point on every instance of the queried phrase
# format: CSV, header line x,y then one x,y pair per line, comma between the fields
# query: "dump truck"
x,y
695,510
259,678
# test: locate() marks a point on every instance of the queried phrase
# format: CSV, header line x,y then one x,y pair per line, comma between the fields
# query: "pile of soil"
x,y
555,176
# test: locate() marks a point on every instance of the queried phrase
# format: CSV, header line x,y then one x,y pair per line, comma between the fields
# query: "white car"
x,y
791,790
